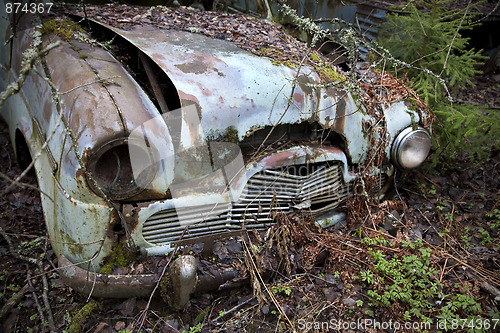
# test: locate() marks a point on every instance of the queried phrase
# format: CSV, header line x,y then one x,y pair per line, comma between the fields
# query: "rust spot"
x,y
197,66
205,91
114,221
299,98
188,99
47,110
277,160
157,56
86,155
303,82
115,217
130,215
80,177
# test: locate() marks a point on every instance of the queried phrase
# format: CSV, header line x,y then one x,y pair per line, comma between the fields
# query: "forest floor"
x,y
430,253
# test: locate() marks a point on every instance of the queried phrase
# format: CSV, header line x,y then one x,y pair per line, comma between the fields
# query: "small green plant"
x,y
443,232
13,287
460,307
194,329
495,219
432,190
466,238
408,277
379,240
281,289
407,280
485,236
367,276
4,274
29,248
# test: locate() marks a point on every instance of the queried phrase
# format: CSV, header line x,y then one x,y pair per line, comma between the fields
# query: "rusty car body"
x,y
216,142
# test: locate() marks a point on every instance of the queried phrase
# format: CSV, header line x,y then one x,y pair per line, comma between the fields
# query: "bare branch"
x,y
39,264
28,63
15,182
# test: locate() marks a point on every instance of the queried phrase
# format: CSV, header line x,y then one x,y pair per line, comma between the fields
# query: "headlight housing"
x,y
110,170
411,147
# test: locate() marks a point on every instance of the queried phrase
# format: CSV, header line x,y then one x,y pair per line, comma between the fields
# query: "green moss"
x,y
326,71
119,257
79,317
164,288
83,56
315,57
287,63
329,74
201,316
274,55
63,28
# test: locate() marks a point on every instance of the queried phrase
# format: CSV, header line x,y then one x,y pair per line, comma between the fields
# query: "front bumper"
x,y
183,279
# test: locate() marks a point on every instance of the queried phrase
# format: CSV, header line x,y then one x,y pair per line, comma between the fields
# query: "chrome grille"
x,y
319,190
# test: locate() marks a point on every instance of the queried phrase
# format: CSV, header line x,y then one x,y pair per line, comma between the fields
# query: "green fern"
x,y
430,42
474,128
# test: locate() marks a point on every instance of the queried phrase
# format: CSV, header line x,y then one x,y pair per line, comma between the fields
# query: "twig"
x,y
39,264
442,272
143,315
254,269
27,65
30,58
45,298
22,185
35,297
14,300
454,37
235,308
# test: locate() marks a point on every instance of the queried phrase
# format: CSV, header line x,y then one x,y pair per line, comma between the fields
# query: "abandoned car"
x,y
165,138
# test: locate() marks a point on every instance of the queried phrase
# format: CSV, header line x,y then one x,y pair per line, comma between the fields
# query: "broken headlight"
x,y
111,173
411,147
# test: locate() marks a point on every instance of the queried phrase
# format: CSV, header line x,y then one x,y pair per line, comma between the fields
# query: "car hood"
x,y
231,87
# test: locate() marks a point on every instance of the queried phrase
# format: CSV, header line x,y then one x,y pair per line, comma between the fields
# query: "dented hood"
x,y
232,87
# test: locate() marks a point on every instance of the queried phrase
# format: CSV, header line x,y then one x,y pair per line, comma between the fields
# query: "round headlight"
x,y
111,170
411,147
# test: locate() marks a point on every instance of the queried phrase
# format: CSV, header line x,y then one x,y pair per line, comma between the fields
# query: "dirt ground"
x,y
314,275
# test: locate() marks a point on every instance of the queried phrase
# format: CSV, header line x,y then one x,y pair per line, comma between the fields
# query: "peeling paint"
x,y
235,95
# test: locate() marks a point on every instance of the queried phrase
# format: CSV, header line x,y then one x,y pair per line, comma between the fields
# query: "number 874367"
x,y
20,7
